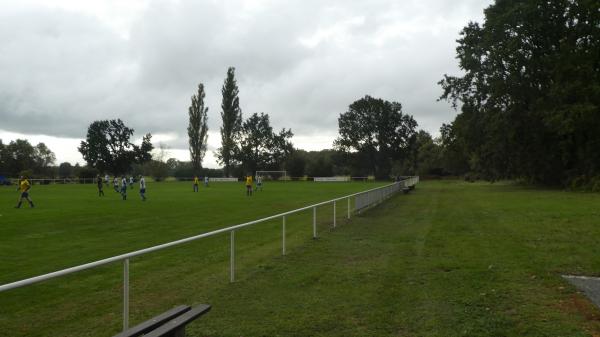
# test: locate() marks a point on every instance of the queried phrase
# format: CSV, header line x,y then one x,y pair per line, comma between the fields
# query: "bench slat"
x,y
153,323
177,325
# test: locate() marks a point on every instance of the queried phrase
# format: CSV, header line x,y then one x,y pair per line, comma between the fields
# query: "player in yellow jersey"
x,y
24,187
248,185
196,182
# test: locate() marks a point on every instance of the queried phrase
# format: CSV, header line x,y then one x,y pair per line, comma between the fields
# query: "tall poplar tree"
x,y
198,128
232,122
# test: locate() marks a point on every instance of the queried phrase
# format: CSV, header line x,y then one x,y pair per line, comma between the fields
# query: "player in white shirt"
x,y
259,183
143,188
124,187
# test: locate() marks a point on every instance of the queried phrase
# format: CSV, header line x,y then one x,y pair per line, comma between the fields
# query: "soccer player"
x,y
142,188
196,182
116,184
24,187
259,183
248,185
124,188
131,182
100,185
206,181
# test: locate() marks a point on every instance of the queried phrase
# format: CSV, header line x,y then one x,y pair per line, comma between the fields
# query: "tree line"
x,y
528,101
375,138
246,146
530,95
20,157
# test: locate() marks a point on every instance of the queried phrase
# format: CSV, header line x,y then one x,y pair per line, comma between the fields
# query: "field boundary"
x,y
367,198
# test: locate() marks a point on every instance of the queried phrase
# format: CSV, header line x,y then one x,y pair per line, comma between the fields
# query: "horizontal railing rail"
x,y
370,198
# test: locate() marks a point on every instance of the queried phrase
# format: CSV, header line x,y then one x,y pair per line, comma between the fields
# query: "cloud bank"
x,y
302,62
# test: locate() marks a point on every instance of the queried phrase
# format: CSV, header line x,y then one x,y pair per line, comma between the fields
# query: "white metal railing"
x,y
375,196
363,199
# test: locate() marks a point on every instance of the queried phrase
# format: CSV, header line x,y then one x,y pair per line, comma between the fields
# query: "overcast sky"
x,y
66,63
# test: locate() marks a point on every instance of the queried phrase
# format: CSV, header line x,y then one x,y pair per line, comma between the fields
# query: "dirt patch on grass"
x,y
577,304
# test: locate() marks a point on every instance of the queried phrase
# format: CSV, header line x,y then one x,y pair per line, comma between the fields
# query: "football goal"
x,y
272,175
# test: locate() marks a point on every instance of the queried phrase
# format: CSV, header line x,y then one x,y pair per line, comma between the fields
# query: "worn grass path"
x,y
450,259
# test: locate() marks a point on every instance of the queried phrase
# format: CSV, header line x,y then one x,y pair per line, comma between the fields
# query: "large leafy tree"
x,y
424,157
453,155
108,147
198,128
530,94
44,157
262,148
231,115
19,155
379,130
295,164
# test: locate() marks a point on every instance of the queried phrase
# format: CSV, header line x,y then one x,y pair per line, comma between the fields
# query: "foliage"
x,y
3,157
85,171
424,158
65,170
321,166
156,169
19,155
44,158
454,158
320,163
108,148
327,162
231,115
296,163
531,91
260,147
27,173
378,129
198,128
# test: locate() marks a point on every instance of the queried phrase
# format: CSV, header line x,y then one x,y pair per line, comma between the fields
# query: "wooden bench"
x,y
171,323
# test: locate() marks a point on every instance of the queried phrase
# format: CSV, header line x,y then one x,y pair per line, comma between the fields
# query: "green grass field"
x,y
449,259
71,225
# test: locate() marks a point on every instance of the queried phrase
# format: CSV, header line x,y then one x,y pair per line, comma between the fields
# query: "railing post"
x,y
314,222
283,237
125,294
334,214
348,208
232,258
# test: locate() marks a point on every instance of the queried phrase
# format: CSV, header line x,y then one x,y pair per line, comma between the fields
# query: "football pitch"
x,y
72,225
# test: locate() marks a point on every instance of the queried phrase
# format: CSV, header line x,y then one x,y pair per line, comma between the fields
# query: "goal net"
x,y
272,175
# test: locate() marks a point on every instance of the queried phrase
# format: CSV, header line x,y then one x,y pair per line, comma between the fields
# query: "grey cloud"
x,y
62,70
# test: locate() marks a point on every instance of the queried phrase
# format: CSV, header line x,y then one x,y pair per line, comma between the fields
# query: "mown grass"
x,y
71,225
449,259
